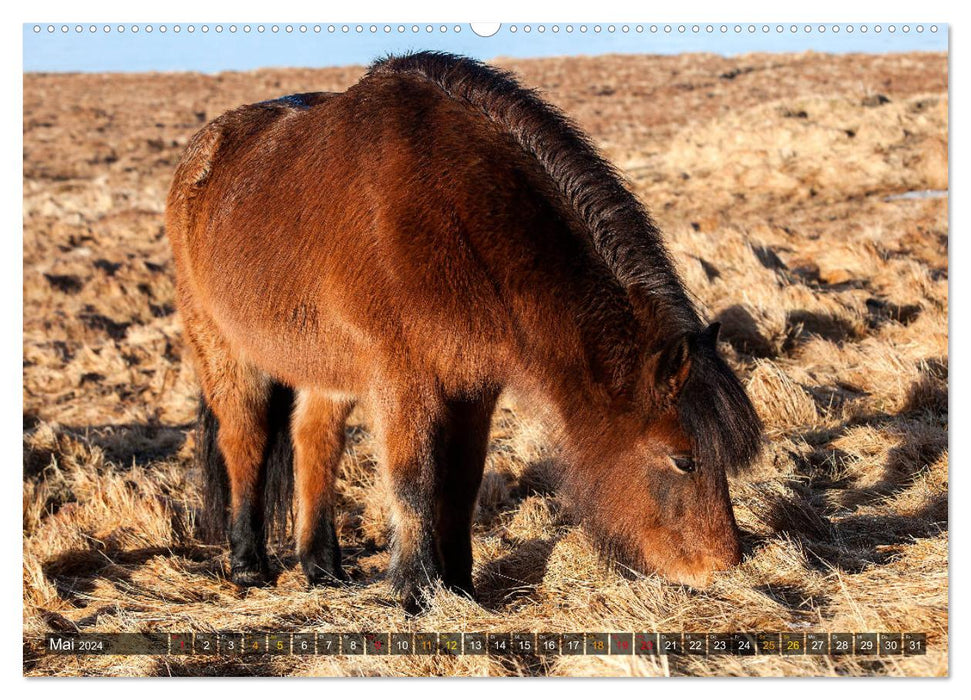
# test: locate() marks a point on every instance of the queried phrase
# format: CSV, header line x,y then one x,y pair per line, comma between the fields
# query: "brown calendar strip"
x,y
492,643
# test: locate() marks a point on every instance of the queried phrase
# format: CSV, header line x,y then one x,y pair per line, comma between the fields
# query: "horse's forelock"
x,y
716,413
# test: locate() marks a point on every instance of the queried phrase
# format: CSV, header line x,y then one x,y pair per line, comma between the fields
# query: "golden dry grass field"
x,y
773,177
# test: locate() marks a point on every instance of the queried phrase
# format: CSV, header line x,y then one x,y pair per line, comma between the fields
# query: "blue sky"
x,y
213,51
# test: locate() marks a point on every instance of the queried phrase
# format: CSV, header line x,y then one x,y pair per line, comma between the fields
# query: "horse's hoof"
x,y
326,579
249,578
323,573
415,600
414,605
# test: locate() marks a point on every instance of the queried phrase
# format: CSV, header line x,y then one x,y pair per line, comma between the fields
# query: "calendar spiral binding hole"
x,y
665,29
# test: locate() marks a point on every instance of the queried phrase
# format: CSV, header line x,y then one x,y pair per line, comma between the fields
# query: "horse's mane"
x,y
621,229
713,406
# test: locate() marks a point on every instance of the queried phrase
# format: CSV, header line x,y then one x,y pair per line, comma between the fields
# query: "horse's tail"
x,y
276,473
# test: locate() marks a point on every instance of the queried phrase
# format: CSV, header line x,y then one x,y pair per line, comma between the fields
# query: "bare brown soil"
x,y
770,175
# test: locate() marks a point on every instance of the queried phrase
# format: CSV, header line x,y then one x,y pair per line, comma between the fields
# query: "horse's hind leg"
x,y
238,395
318,441
466,441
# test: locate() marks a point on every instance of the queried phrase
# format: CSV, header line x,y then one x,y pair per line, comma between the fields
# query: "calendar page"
x,y
512,349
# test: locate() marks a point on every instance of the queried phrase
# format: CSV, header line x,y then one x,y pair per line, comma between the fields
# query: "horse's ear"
x,y
710,334
673,365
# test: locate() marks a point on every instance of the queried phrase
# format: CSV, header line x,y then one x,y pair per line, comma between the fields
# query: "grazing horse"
x,y
416,244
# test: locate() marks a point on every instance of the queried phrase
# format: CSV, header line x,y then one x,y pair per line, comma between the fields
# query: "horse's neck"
x,y
610,342
581,350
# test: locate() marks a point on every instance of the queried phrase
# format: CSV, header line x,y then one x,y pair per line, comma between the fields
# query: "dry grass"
x,y
769,174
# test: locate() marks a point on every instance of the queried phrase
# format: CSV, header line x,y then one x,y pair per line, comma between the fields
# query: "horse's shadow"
x,y
504,581
75,573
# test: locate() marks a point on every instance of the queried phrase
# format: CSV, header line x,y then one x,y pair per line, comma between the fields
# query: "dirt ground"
x,y
776,179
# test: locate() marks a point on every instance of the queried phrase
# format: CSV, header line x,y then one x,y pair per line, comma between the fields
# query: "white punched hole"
x,y
485,29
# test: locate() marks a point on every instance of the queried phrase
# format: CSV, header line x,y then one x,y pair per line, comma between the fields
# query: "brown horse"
x,y
416,244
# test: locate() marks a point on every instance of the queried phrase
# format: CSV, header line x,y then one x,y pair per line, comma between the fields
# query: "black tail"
x,y
276,476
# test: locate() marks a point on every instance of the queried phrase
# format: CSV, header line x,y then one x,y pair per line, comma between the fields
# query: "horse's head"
x,y
655,491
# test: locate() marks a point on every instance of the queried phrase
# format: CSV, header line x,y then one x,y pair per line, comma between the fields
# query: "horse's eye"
x,y
685,463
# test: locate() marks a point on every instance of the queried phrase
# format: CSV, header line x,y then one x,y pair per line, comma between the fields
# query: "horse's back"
x,y
372,216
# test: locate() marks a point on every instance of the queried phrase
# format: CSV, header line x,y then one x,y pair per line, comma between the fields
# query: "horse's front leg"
x,y
466,441
412,428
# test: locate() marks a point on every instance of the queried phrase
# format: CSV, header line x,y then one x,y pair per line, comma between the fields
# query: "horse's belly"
x,y
325,353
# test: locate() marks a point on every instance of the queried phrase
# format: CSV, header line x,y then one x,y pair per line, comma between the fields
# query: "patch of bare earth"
x,y
770,175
